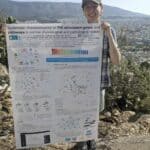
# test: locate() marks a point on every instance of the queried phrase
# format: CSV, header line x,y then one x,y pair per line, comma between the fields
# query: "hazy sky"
x,y
142,6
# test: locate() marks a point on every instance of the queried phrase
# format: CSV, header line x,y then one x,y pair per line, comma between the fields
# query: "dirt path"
x,y
125,143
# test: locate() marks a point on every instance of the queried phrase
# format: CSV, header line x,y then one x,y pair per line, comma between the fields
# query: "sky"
x,y
141,6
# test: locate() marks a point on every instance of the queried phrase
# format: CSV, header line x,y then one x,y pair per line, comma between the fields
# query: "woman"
x,y
93,10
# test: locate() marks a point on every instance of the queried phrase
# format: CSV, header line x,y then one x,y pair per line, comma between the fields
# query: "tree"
x,y
3,51
122,38
10,20
4,77
145,65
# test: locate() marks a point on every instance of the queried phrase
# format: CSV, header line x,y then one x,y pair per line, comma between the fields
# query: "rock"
x,y
145,120
107,114
3,114
103,147
126,115
1,107
115,112
3,70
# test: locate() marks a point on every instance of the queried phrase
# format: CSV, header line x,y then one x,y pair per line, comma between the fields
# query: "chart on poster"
x,y
55,72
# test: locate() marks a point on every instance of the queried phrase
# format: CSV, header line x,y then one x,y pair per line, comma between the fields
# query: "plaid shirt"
x,y
105,76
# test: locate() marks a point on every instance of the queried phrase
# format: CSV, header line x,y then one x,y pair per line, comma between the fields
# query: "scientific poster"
x,y
55,72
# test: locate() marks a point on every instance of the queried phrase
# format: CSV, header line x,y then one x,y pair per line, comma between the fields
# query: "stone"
x,y
107,114
115,112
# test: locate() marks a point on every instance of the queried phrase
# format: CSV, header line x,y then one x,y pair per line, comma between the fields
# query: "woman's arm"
x,y
115,55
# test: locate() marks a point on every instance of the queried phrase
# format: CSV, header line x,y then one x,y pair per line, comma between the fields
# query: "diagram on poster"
x,y
33,83
77,84
26,56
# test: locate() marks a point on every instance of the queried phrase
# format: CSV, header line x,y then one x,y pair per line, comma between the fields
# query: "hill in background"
x,y
51,11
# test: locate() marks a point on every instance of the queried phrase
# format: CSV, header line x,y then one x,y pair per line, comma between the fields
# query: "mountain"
x,y
51,11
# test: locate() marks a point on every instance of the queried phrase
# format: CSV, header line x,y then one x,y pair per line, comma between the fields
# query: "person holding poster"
x,y
93,10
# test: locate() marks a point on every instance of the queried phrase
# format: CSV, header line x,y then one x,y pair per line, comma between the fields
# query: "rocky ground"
x,y
117,130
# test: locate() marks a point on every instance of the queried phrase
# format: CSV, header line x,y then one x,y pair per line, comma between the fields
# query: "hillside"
x,y
50,11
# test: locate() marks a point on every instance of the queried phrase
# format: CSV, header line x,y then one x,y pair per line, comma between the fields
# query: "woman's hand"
x,y
106,27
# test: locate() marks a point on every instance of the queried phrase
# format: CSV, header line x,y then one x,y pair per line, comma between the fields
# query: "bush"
x,y
130,88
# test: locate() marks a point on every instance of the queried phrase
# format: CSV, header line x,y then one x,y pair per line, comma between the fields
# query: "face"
x,y
92,12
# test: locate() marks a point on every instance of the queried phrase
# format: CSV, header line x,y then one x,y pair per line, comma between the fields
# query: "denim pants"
x,y
102,100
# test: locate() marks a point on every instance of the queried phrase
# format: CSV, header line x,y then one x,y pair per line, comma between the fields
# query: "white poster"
x,y
55,72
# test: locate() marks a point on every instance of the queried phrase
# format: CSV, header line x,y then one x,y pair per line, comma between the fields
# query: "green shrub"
x,y
130,88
